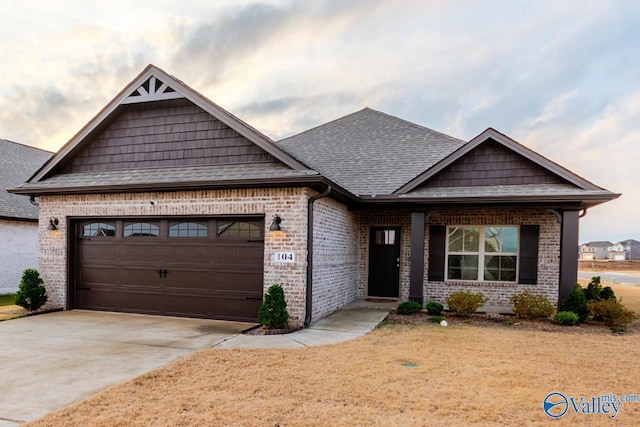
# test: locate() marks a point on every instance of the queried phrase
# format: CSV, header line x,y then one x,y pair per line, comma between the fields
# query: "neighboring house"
x,y
167,204
616,252
587,252
631,249
18,217
595,250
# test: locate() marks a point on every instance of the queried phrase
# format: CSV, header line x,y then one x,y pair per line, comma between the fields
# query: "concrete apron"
x,y
51,360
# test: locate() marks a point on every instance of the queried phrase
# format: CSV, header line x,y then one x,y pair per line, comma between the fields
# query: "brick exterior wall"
x,y
500,293
289,203
18,251
335,257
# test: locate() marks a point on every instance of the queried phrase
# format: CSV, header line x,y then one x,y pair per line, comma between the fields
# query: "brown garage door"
x,y
191,267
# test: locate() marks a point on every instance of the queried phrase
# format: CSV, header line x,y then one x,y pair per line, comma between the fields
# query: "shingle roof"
x,y
17,163
370,152
505,191
599,244
165,176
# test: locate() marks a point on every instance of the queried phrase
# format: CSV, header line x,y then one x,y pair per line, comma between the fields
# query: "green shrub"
x,y
409,307
531,306
436,319
465,303
611,312
434,308
593,289
31,294
567,318
273,312
607,293
576,302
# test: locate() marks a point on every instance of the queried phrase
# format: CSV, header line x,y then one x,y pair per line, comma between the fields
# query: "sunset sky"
x,y
562,78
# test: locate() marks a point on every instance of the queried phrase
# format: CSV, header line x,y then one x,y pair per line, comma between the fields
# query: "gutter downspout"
x,y
309,299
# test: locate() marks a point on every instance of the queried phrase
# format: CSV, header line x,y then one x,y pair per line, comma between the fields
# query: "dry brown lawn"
x,y
397,375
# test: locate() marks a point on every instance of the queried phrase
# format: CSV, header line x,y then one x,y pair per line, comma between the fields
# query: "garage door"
x,y
190,267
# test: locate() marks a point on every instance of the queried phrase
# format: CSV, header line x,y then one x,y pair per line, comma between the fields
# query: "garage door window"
x,y
188,229
239,230
141,229
98,229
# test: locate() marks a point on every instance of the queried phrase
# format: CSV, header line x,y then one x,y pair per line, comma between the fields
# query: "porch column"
x,y
568,252
416,273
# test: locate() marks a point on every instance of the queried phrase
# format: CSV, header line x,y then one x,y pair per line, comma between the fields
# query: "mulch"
x,y
501,321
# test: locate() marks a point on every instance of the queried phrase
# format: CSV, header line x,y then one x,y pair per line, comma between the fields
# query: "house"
x,y
616,252
18,217
631,249
595,250
167,204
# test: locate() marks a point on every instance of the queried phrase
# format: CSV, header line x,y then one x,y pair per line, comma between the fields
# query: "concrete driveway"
x,y
51,360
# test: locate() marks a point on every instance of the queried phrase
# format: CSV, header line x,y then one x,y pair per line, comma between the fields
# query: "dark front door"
x,y
384,262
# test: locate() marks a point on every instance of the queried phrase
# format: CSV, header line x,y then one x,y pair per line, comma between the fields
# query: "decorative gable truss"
x,y
153,89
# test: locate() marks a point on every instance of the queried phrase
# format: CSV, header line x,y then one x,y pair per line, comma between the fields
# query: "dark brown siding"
x,y
492,164
165,134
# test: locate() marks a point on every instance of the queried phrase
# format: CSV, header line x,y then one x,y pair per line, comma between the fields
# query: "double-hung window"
x,y
482,253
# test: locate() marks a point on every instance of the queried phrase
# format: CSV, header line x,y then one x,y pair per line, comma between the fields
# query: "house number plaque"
x,y
284,257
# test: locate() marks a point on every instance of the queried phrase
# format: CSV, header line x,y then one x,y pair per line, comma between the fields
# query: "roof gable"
x,y
151,86
168,133
492,158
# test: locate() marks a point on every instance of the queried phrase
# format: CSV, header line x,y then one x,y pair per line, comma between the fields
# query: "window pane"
x,y
188,229
509,239
99,229
492,239
239,230
141,229
462,267
500,268
455,239
471,239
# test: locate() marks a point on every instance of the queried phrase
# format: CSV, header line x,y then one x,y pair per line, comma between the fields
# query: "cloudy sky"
x,y
561,77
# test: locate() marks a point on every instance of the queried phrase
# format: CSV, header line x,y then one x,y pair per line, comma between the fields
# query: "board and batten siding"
x,y
165,134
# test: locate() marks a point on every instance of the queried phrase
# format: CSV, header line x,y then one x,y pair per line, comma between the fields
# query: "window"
x,y
98,229
239,230
141,229
386,237
188,229
482,253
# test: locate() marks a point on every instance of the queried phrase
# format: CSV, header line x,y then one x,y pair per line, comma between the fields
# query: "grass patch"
x,y
7,299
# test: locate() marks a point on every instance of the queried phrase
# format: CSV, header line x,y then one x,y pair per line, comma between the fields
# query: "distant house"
x,y
616,252
595,250
18,217
626,250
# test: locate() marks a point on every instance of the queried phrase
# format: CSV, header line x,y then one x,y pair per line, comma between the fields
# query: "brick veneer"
x,y
500,293
335,257
289,203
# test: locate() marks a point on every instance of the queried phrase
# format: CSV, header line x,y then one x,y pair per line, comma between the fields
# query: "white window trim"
x,y
481,253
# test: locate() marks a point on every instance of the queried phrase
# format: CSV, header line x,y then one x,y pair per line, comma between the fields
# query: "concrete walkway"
x,y
345,324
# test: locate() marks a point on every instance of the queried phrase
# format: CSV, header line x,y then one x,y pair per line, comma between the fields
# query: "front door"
x,y
384,262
